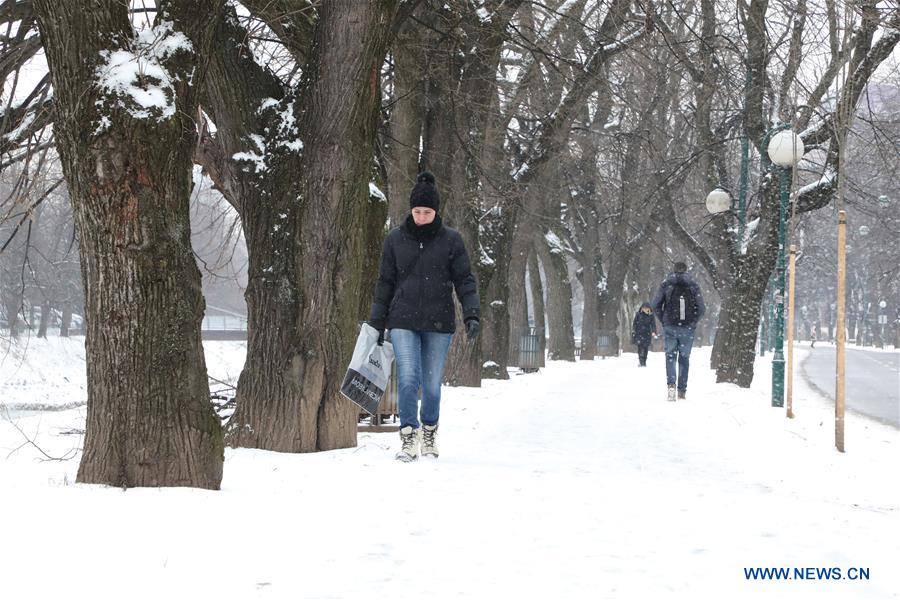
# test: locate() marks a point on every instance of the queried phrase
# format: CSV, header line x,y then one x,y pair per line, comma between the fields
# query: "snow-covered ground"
x,y
576,482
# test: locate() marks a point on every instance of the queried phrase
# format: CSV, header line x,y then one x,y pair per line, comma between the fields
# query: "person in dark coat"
x,y
643,331
679,305
422,262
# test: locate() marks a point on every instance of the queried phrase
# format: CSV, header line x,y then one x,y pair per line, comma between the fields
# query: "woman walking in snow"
x,y
643,329
422,262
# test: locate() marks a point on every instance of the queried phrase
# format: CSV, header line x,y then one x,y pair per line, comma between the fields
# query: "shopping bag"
x,y
369,371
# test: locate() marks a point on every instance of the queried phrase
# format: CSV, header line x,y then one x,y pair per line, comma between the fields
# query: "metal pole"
x,y
762,333
840,334
778,360
770,337
792,265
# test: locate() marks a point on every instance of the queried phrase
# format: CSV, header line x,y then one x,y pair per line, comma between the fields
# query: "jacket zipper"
x,y
419,262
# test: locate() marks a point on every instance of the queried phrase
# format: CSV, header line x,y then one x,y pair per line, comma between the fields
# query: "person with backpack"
x,y
422,262
679,305
643,330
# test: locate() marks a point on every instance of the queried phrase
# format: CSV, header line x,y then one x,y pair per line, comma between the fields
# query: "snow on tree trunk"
x,y
126,142
311,227
493,286
561,344
736,334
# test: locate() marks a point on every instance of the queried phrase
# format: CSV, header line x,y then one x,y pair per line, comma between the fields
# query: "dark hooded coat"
x,y
643,327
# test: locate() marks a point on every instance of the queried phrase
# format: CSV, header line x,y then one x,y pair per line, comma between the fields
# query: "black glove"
x,y
381,337
473,326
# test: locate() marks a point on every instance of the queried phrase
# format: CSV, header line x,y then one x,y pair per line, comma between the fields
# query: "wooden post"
x,y
840,334
792,266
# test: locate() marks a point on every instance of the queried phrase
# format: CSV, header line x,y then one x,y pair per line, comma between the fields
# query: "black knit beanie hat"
x,y
425,193
680,267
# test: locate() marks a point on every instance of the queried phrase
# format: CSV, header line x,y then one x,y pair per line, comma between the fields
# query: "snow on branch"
x,y
620,45
827,180
819,193
556,245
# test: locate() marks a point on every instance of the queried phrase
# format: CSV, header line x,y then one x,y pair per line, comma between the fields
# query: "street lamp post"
x,y
785,149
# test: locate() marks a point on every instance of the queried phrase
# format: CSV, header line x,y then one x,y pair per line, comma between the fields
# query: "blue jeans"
x,y
420,357
678,346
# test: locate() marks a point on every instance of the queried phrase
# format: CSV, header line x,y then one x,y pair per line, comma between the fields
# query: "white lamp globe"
x,y
786,148
718,201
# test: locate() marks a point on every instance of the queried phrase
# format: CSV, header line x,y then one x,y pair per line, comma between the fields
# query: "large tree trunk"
x,y
518,299
494,289
537,292
446,157
45,319
736,334
308,232
611,296
405,125
11,296
559,299
149,420
589,321
66,320
735,344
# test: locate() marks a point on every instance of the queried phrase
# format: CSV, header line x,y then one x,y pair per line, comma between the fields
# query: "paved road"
x,y
873,380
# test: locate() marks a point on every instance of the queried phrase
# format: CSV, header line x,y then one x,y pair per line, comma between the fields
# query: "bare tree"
x,y
124,105
293,153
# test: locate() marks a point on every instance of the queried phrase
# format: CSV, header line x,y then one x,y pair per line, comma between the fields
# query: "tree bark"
x,y
460,95
66,320
149,420
537,292
561,345
308,218
590,322
493,284
45,319
518,300
404,128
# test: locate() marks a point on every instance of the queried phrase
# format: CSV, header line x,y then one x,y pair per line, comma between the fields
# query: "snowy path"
x,y
576,482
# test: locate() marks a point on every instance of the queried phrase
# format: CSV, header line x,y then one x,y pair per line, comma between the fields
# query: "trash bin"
x,y
531,349
605,344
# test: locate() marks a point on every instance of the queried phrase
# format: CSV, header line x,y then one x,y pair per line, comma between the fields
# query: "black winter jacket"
x,y
665,291
420,267
643,327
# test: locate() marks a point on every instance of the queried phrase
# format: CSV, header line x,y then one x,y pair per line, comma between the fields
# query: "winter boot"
x,y
409,450
681,394
671,393
429,441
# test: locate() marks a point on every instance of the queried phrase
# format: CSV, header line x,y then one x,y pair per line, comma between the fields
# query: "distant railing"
x,y
224,323
224,327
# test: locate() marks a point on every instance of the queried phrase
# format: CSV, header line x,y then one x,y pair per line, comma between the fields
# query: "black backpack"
x,y
681,305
